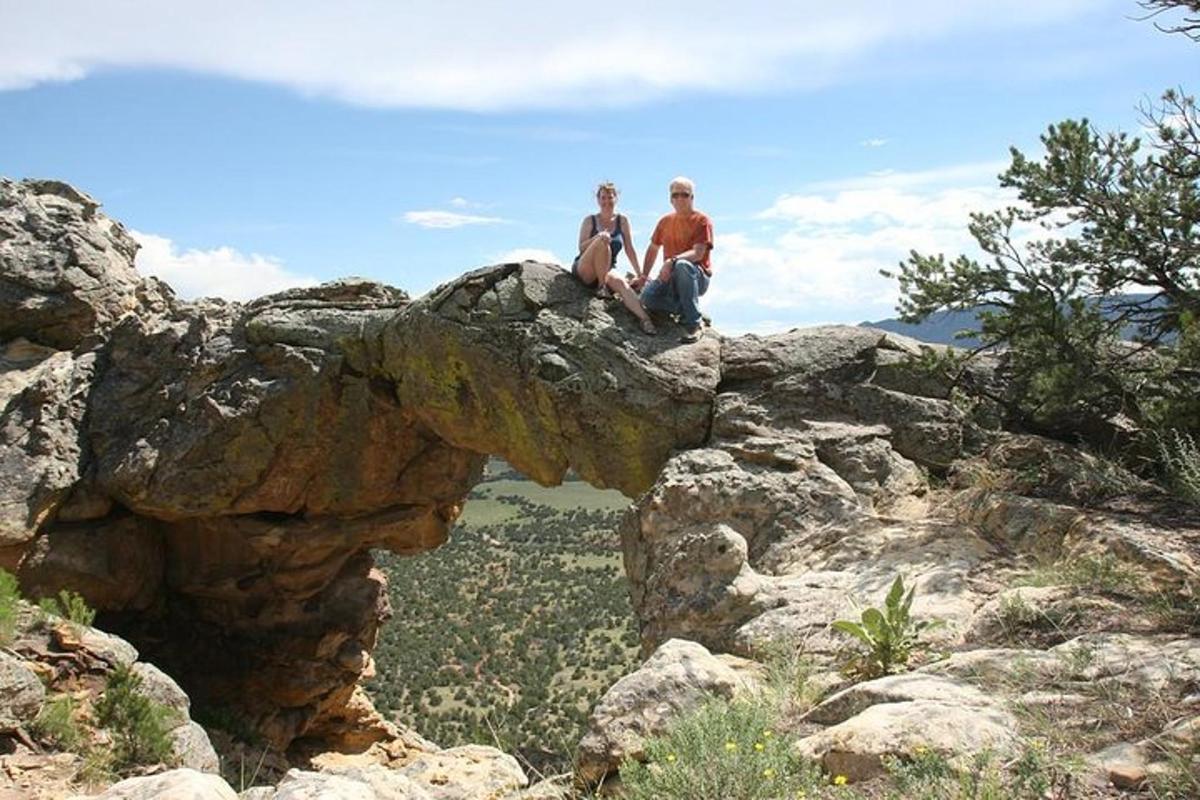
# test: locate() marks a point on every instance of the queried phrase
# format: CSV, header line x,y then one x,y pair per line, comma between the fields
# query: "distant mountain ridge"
x,y
938,328
941,326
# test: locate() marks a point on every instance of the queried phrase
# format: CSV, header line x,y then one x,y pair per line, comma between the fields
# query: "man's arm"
x,y
695,254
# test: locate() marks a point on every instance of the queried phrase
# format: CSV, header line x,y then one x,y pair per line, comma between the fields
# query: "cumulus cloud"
x,y
820,260
433,218
468,55
220,272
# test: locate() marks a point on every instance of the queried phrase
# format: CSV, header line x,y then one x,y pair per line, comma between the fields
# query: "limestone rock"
x,y
43,397
677,678
469,772
177,784
192,748
856,748
21,693
114,563
894,689
66,270
370,783
517,361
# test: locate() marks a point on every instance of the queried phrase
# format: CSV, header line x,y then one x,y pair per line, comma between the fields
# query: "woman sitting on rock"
x,y
601,239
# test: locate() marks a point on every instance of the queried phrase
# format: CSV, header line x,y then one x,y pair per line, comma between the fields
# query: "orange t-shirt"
x,y
677,233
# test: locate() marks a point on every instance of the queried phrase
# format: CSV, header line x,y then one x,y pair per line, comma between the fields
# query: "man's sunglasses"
x,y
680,194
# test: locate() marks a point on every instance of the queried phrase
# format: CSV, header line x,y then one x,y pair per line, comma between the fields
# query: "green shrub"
x,y
69,606
9,597
138,724
1180,457
889,635
722,750
56,724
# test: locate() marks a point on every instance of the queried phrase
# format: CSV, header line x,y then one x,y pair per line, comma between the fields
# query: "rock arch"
x,y
213,475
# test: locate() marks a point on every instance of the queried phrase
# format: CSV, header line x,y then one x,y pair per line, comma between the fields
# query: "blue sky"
x,y
257,146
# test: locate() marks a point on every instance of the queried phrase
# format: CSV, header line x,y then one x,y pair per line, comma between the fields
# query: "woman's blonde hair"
x,y
607,186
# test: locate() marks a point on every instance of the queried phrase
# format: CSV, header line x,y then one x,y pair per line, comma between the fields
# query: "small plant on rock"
x,y
139,725
56,724
1180,457
69,606
724,749
9,606
890,635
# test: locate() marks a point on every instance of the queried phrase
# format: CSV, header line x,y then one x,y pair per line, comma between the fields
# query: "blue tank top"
x,y
618,237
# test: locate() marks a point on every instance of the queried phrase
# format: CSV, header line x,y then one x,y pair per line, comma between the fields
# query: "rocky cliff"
x,y
213,476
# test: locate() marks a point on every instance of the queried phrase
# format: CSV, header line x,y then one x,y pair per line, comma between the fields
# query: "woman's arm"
x,y
584,228
630,250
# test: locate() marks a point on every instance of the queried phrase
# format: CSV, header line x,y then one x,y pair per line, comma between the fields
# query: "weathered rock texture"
x,y
214,475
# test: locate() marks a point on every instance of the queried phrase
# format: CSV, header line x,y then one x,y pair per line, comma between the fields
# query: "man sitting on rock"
x,y
686,235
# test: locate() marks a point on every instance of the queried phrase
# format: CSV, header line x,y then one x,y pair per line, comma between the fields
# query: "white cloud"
x,y
469,55
823,263
527,254
447,219
873,142
220,272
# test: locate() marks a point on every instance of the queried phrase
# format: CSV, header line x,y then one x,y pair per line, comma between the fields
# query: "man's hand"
x,y
637,282
664,274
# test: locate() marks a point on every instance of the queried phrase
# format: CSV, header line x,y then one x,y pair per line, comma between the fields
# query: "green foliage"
x,y
889,635
724,749
9,606
515,627
1031,775
69,606
139,726
56,724
1180,458
1114,219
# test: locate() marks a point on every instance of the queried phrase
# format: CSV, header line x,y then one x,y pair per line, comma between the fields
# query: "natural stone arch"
x,y
247,457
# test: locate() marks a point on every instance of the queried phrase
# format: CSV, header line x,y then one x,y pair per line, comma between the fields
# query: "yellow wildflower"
x,y
730,746
768,734
840,780
768,773
670,758
921,750
759,746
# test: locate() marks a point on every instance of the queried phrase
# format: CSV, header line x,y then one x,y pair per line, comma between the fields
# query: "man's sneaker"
x,y
692,334
707,320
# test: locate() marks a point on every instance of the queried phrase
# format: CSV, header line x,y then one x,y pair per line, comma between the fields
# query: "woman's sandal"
x,y
604,293
648,327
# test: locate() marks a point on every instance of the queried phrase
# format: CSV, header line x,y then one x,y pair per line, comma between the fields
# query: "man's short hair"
x,y
682,183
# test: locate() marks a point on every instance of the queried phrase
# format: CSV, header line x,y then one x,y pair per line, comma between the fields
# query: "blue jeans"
x,y
680,296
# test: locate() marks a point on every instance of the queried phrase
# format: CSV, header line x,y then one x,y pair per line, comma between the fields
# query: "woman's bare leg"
x,y
629,297
598,252
601,264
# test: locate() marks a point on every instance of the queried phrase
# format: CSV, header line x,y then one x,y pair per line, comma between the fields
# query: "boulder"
x,y
469,772
43,398
369,783
21,693
66,270
857,747
177,784
678,677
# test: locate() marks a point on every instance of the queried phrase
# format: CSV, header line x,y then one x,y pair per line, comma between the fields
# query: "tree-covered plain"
x,y
510,632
